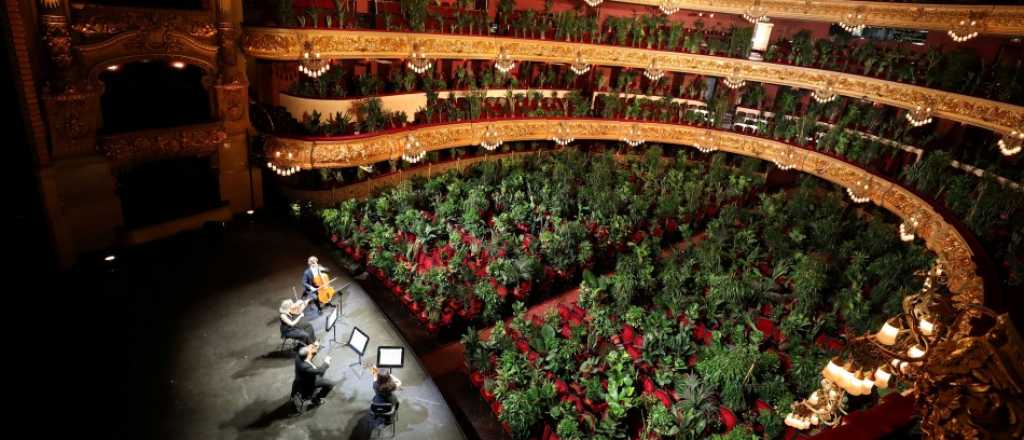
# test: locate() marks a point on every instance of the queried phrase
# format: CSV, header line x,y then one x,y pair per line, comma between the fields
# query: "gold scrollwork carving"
x,y
939,236
144,146
285,44
1000,20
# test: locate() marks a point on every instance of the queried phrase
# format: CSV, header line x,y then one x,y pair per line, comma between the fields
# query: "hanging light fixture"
x,y
418,61
412,149
756,13
854,22
593,3
705,143
787,160
1011,142
908,228
282,171
562,134
653,72
669,7
734,80
489,139
825,94
311,64
504,63
920,115
632,136
579,66
965,29
860,192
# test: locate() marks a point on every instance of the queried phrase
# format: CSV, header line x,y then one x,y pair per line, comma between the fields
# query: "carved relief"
x,y
58,40
284,44
939,236
74,116
93,22
131,148
1003,20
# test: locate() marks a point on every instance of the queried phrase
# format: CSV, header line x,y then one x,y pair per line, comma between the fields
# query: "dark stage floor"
x,y
179,339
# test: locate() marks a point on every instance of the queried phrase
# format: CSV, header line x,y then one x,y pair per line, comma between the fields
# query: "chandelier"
x,y
653,72
418,61
756,13
562,134
964,30
669,7
705,143
908,228
825,94
366,168
504,62
490,140
862,192
632,136
412,149
282,171
734,80
920,115
579,66
853,22
593,3
787,159
962,362
1011,142
311,64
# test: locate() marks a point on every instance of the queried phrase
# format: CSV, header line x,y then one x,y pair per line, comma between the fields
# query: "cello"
x,y
324,292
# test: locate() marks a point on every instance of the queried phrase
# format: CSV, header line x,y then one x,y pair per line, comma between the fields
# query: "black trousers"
x,y
302,331
322,388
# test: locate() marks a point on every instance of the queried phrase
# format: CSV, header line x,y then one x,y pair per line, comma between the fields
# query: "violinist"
x,y
309,378
292,325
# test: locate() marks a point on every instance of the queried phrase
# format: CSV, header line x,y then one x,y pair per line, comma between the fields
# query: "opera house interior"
x,y
523,219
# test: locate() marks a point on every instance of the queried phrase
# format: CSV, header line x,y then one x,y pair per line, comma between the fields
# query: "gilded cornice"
x,y
1000,20
940,236
286,44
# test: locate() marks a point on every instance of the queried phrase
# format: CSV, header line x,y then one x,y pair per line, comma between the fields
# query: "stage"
x,y
196,356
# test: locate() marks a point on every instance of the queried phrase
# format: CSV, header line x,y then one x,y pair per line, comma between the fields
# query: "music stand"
x,y
332,325
358,341
389,357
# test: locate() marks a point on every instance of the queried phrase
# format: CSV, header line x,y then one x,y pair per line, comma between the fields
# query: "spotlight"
x,y
113,68
178,64
110,258
250,212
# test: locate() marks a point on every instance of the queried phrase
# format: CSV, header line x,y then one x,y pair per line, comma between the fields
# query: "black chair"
x,y
291,343
384,415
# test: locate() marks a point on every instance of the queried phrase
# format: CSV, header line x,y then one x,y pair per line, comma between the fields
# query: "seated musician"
x,y
292,325
309,286
384,387
309,378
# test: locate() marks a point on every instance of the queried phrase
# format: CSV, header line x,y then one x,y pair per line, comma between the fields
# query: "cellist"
x,y
309,280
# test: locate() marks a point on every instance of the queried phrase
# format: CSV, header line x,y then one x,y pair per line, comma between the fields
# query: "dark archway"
x,y
153,94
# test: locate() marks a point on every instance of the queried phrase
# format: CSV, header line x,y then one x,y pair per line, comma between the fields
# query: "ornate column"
x,y
78,186
239,180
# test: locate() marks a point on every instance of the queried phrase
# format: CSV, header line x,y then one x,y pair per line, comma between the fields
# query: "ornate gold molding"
x,y
940,236
1000,20
286,44
358,190
97,22
143,146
